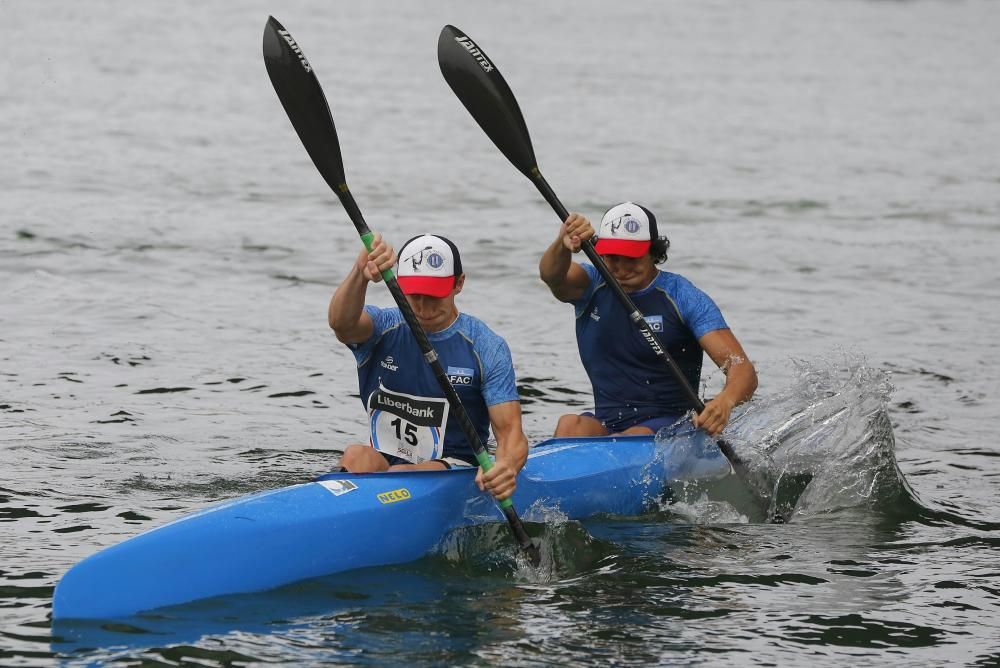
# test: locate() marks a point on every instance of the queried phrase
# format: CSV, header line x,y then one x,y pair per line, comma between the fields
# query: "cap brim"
x,y
433,286
622,247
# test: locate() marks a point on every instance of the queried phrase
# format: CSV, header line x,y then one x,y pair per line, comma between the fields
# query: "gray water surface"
x,y
828,171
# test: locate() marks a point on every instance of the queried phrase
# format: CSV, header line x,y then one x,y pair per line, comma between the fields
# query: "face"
x,y
436,313
633,273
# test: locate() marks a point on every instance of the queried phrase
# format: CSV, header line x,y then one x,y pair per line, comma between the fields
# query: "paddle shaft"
x,y
302,97
431,356
477,82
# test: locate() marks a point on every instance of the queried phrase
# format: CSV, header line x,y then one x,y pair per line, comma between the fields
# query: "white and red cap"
x,y
627,229
428,265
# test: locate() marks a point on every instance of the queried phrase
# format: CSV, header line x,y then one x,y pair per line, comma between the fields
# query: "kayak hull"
x,y
346,521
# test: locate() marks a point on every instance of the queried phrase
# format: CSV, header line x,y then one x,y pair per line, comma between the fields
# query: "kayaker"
x,y
634,391
409,421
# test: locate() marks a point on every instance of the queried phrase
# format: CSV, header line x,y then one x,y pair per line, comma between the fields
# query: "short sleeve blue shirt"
x,y
631,384
476,359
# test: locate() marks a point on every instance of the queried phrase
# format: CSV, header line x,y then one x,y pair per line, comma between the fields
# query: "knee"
x,y
349,460
359,459
566,424
578,425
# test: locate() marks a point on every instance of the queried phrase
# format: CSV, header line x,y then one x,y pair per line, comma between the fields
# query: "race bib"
x,y
406,426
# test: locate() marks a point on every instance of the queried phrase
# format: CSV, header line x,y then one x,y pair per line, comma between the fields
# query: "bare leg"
x,y
636,430
579,425
584,425
422,466
363,459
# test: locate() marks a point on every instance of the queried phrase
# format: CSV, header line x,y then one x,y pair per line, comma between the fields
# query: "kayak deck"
x,y
344,521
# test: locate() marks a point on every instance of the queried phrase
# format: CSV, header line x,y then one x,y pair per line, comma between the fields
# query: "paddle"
x,y
302,97
474,78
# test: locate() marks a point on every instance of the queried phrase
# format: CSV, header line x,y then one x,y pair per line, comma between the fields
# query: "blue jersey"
x,y
477,361
631,384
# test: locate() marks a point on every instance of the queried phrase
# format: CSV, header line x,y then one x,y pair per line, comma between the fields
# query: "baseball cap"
x,y
428,265
627,229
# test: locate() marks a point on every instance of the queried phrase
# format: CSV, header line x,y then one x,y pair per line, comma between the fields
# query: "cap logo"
x,y
631,225
433,259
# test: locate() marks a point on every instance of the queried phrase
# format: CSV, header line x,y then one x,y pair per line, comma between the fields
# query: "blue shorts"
x,y
654,424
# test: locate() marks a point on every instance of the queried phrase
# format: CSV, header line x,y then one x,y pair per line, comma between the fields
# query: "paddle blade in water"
x,y
478,84
302,97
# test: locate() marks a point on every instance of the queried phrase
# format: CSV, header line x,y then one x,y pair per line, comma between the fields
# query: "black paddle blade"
x,y
478,84
302,97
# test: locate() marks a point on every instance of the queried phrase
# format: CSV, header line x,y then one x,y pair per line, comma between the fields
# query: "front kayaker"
x,y
634,391
409,422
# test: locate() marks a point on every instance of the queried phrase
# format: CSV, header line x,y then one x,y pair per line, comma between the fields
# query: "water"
x,y
828,171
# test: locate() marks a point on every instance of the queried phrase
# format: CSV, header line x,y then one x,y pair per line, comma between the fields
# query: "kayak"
x,y
344,521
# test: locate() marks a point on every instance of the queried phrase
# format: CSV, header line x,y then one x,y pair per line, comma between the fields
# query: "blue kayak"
x,y
344,521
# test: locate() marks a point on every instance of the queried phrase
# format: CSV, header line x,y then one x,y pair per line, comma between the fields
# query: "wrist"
x,y
359,268
725,400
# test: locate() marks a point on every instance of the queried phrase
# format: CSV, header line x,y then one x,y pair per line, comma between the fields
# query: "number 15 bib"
x,y
407,426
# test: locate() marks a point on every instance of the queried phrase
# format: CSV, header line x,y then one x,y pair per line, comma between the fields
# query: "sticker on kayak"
x,y
395,495
338,487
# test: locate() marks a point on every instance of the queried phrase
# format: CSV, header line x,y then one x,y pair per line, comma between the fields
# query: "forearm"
x,y
347,305
741,381
513,449
555,263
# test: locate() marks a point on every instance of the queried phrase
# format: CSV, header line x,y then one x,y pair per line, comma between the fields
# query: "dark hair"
x,y
658,249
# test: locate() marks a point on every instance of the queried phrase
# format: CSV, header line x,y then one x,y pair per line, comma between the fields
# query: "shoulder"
x,y
478,331
697,309
674,281
497,365
490,347
592,273
384,318
595,281
679,287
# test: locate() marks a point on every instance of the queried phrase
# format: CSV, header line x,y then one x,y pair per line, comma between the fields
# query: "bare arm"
x,y
566,279
346,314
741,379
512,451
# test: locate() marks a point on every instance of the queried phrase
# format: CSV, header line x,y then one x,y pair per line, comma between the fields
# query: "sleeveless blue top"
x,y
631,384
477,361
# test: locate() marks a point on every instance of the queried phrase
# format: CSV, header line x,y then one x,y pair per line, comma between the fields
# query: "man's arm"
x,y
566,279
741,379
346,314
512,450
